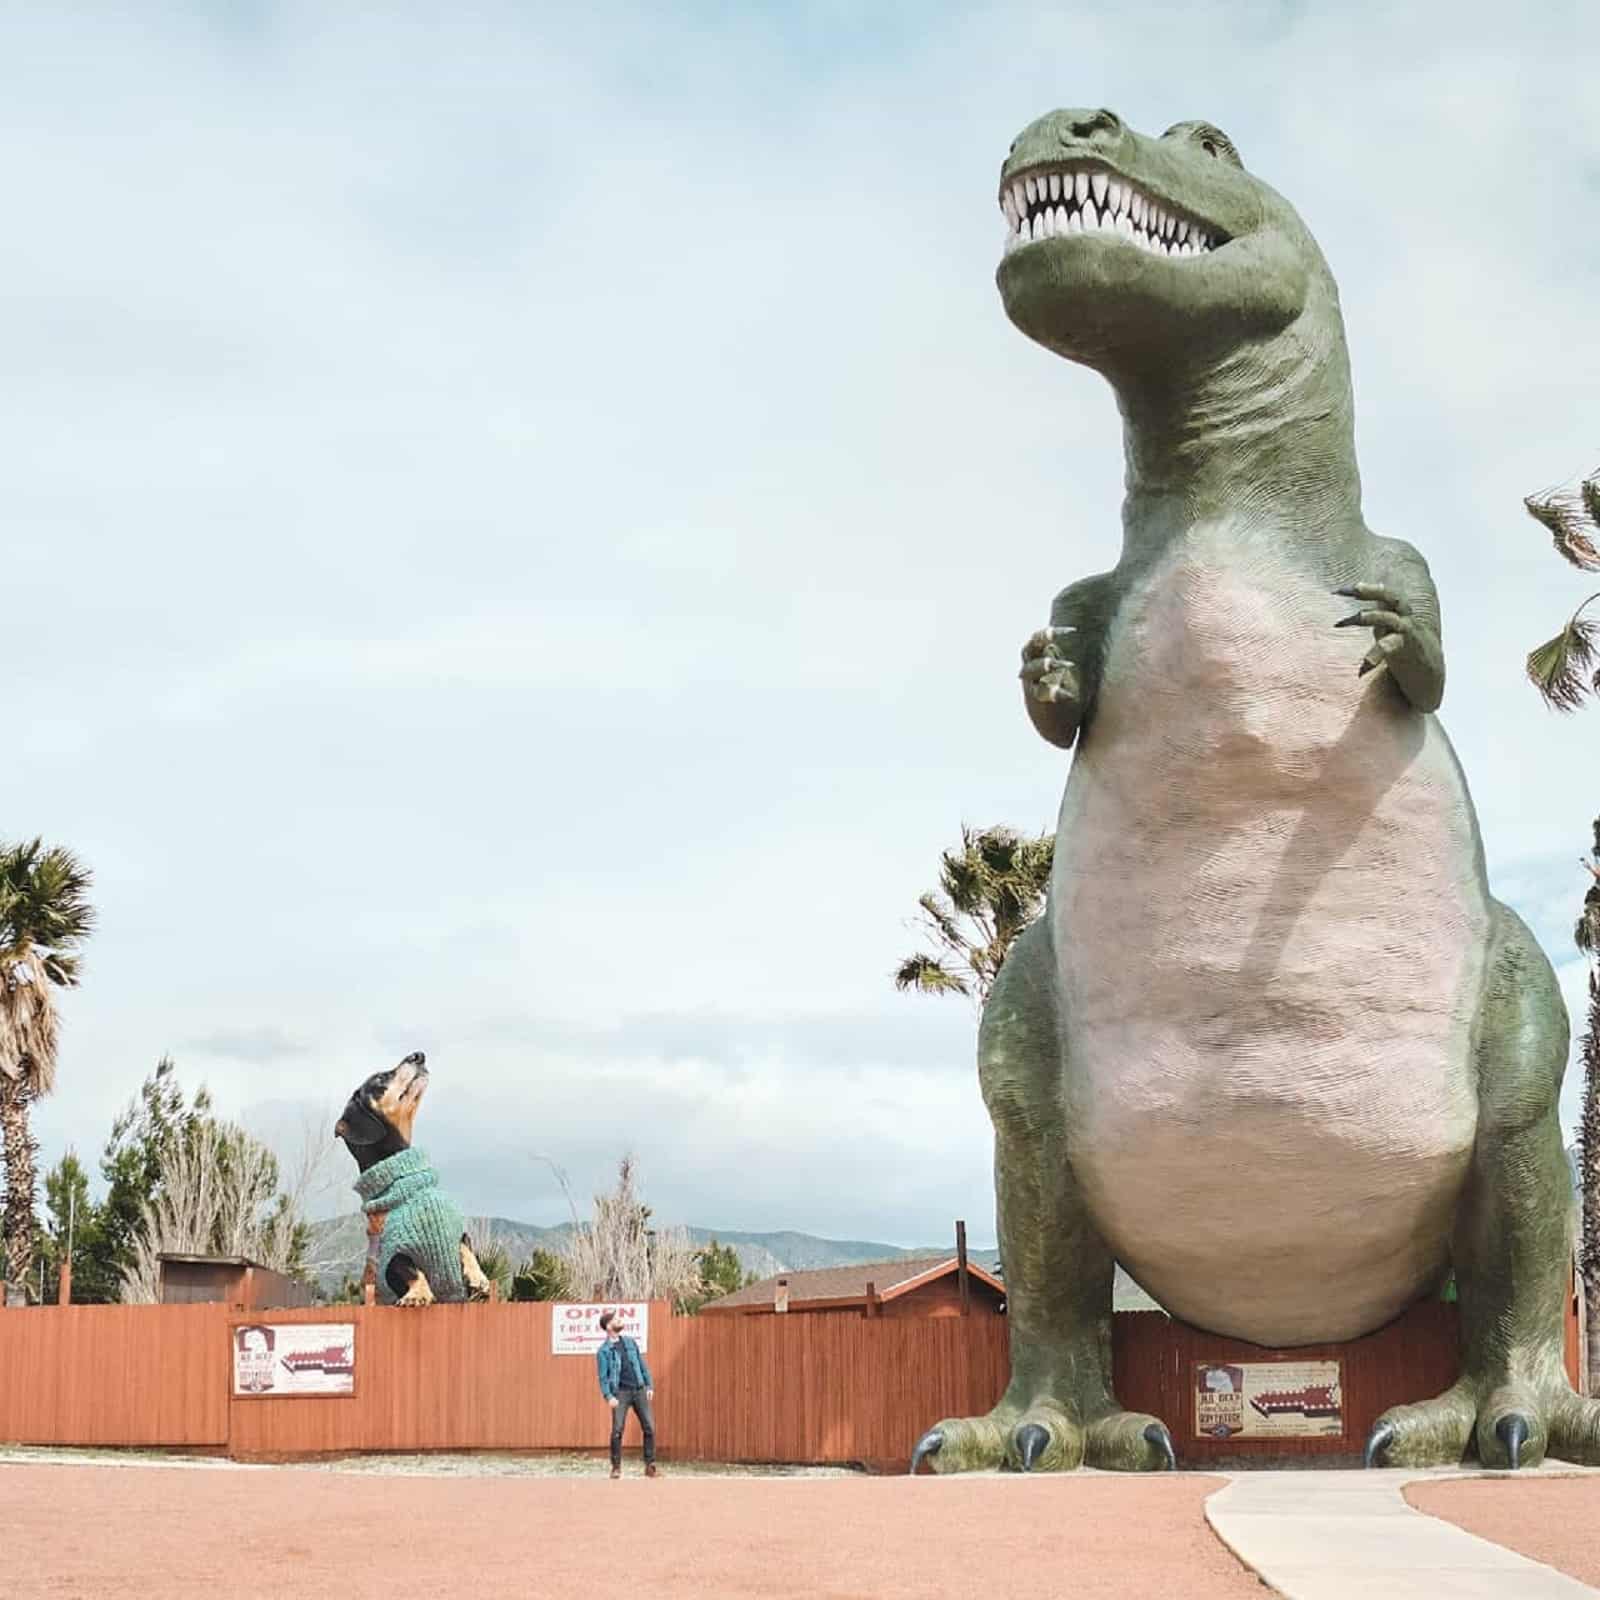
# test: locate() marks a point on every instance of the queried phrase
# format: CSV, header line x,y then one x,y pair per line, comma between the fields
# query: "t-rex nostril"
x,y
1088,124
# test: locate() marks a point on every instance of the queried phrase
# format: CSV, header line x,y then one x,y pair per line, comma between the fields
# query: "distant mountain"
x,y
338,1247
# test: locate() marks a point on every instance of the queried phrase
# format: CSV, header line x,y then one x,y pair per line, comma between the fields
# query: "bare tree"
x,y
617,1255
220,1195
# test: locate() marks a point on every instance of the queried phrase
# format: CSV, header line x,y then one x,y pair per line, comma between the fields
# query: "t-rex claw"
x,y
1379,1440
1512,1431
929,1444
1156,1434
1032,1440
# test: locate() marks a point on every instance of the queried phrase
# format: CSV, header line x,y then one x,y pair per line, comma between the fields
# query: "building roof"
x,y
848,1285
210,1261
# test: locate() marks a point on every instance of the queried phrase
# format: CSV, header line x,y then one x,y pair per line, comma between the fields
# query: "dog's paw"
x,y
477,1281
419,1294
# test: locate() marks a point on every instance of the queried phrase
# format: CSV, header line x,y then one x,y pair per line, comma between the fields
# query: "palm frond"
x,y
1563,516
1586,933
1558,668
1036,859
942,923
928,975
993,886
997,849
962,878
44,916
43,898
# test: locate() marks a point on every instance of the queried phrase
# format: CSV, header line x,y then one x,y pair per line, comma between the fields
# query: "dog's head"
x,y
377,1119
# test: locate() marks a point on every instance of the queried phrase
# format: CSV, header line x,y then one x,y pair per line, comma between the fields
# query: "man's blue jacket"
x,y
621,1364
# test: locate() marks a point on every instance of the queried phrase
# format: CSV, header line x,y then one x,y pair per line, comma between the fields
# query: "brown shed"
x,y
920,1286
227,1280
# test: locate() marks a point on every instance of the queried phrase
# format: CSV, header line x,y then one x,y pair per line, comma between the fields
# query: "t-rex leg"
x,y
1512,1245
1058,1409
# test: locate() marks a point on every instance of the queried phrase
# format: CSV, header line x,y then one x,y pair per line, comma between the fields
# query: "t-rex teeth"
x,y
1049,205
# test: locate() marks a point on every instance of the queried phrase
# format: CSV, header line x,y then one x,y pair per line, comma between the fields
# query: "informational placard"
x,y
575,1329
1268,1400
275,1359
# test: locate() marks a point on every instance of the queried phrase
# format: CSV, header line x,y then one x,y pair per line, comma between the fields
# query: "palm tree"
x,y
44,917
1586,935
1560,667
989,891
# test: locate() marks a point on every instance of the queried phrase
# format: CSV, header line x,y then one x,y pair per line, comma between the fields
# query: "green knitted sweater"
x,y
417,1218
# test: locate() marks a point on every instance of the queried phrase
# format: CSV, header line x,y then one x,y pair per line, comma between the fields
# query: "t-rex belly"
x,y
1270,918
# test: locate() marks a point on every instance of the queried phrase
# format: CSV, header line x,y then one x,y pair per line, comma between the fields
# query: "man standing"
x,y
625,1382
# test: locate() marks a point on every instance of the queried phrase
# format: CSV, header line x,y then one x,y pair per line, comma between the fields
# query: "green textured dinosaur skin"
x,y
1273,1045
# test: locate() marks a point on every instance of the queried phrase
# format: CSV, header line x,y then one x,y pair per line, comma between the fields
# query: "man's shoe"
x,y
650,1470
616,1472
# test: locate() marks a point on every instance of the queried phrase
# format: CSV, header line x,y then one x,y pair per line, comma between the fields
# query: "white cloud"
x,y
533,518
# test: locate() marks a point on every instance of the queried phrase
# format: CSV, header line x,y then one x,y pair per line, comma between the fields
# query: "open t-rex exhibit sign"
x,y
575,1329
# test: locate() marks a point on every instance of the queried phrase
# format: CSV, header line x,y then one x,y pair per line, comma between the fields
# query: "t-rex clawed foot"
x,y
1129,1441
1012,1438
1046,1437
1508,1425
967,1444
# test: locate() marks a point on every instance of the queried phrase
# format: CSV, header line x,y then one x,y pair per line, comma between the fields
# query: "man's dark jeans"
x,y
619,1418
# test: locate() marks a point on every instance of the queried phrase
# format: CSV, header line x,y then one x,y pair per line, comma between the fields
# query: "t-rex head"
x,y
1127,252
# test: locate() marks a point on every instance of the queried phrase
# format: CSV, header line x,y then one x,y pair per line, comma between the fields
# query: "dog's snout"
x,y
415,1059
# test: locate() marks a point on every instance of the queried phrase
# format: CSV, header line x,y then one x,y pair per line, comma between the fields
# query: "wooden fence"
x,y
764,1388
154,1375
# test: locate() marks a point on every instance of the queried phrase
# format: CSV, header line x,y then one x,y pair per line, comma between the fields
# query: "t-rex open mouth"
x,y
1076,198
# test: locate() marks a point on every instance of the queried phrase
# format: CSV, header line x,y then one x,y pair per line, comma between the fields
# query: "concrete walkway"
x,y
1351,1536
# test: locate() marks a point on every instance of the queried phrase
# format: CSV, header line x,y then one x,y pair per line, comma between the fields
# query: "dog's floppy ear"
x,y
358,1125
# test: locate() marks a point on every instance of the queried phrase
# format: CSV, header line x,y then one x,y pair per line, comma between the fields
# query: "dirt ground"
x,y
104,1532
1554,1520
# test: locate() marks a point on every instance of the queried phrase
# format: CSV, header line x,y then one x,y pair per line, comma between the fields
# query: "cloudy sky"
x,y
520,522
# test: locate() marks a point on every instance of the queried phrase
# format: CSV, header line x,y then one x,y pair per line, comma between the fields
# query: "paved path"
x,y
1351,1536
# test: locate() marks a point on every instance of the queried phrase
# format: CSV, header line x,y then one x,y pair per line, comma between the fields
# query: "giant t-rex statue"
x,y
1273,1045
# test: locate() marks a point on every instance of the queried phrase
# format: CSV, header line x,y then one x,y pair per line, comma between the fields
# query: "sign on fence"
x,y
575,1330
1268,1399
274,1359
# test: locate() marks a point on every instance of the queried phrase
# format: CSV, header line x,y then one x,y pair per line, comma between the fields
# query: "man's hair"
x,y
606,1319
